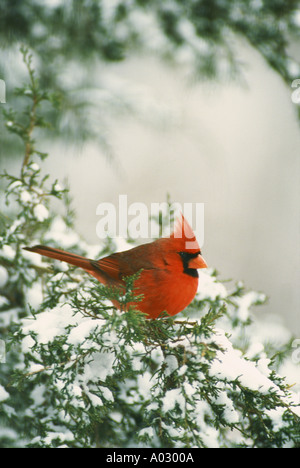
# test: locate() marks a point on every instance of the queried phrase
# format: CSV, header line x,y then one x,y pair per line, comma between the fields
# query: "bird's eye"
x,y
188,255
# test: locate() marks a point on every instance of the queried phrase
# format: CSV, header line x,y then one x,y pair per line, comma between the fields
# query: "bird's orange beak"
x,y
197,262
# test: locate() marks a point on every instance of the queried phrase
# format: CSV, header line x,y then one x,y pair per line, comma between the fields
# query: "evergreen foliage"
x,y
77,38
79,373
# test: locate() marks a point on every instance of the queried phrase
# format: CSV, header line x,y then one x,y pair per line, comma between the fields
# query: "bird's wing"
x,y
121,264
110,266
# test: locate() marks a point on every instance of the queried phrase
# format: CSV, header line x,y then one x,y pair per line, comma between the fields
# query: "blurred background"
x,y
191,99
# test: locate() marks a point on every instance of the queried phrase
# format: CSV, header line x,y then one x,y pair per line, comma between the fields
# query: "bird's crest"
x,y
185,234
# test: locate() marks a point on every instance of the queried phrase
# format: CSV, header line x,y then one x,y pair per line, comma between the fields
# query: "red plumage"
x,y
168,280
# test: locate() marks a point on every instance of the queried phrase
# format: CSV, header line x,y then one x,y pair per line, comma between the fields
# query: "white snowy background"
x,y
233,147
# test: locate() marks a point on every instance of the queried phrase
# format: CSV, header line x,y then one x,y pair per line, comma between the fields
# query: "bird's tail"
x,y
73,259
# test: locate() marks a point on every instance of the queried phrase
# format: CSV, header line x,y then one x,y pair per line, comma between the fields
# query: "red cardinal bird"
x,y
169,276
